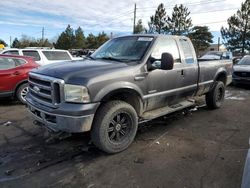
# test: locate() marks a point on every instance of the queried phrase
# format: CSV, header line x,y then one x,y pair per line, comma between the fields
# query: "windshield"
x,y
244,61
123,49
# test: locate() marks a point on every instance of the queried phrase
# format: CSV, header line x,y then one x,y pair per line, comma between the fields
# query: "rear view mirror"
x,y
167,61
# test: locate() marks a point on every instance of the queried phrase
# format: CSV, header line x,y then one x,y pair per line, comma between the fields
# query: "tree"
x,y
26,41
79,39
180,22
139,28
91,41
237,35
101,39
3,42
157,23
15,43
66,39
201,38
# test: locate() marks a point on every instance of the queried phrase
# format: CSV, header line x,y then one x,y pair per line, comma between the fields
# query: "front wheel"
x,y
22,92
215,97
114,127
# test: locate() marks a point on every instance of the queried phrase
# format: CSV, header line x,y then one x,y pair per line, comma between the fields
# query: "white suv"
x,y
42,56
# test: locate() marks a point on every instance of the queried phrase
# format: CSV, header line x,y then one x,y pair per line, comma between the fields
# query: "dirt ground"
x,y
192,149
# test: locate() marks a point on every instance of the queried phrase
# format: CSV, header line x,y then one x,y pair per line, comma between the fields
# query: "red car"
x,y
14,71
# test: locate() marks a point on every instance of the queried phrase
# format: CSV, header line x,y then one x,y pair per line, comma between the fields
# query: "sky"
x,y
28,17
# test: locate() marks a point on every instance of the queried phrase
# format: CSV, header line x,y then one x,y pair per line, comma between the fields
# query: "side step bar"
x,y
146,116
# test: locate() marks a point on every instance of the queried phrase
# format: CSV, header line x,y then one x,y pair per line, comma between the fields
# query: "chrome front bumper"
x,y
56,122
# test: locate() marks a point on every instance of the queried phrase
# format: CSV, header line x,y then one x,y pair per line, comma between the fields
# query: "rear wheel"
x,y
114,127
22,92
215,97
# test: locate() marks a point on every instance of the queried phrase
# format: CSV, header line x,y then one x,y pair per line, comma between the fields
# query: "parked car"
x,y
241,71
128,80
217,55
43,56
14,76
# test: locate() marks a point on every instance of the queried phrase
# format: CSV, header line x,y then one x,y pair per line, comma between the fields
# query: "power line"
x,y
221,21
187,4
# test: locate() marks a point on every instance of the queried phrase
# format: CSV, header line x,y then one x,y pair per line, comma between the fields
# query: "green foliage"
x,y
139,28
201,38
79,38
70,39
157,23
3,42
180,22
66,40
91,41
101,38
26,41
237,35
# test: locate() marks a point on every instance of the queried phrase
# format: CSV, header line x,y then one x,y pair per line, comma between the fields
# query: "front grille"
x,y
46,90
242,74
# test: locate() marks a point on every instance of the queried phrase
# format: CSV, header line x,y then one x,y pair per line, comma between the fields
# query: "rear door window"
x,y
187,50
56,55
32,53
11,52
7,63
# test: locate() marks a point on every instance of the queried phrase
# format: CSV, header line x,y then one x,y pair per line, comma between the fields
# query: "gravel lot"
x,y
198,148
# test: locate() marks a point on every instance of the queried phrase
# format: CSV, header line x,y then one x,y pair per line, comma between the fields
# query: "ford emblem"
x,y
36,89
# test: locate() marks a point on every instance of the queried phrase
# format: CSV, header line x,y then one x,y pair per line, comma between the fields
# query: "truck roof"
x,y
155,36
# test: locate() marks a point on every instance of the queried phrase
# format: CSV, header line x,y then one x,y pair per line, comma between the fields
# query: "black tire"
x,y
215,98
114,127
21,93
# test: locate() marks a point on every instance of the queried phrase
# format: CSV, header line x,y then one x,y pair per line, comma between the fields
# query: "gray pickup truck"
x,y
128,80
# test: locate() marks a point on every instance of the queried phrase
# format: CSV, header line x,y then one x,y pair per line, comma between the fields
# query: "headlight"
x,y
75,93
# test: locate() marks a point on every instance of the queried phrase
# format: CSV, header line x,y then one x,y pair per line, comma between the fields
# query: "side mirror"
x,y
167,61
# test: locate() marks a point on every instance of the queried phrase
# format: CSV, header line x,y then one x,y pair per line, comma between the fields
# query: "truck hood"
x,y
241,68
79,71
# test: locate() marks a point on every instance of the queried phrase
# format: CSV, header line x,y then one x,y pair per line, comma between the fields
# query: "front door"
x,y
163,85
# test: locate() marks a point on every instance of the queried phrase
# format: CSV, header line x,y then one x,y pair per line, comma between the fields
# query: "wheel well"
x,y
18,85
126,95
222,77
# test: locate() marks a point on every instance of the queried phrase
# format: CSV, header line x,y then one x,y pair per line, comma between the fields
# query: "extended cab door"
x,y
188,69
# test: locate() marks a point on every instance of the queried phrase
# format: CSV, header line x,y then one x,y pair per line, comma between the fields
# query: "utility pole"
x,y
218,43
42,35
134,19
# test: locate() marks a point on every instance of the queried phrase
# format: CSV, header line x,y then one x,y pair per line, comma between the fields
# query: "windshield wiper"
x,y
112,59
119,60
90,57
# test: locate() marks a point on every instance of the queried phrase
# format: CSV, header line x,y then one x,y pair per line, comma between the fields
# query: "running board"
x,y
167,110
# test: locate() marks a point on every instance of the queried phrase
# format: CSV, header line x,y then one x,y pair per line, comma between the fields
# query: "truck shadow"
x,y
9,102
